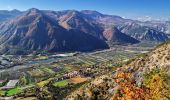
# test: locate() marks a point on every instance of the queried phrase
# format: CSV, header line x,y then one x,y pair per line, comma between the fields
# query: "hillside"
x,y
146,77
113,35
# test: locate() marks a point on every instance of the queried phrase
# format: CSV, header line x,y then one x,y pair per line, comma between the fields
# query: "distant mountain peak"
x,y
33,11
15,10
91,12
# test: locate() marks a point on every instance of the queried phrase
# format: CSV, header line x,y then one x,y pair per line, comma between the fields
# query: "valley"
x,y
64,72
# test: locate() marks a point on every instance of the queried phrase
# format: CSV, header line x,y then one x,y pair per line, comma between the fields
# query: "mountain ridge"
x,y
43,30
86,22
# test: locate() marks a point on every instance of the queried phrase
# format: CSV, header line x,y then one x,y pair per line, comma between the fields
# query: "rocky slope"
x,y
146,77
76,20
113,35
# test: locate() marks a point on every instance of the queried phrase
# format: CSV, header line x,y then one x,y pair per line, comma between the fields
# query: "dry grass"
x,y
78,79
43,83
28,98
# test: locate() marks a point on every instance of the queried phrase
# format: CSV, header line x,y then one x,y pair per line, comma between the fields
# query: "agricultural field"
x,y
74,80
62,83
10,92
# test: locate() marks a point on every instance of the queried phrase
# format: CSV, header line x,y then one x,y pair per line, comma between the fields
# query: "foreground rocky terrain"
x,y
146,77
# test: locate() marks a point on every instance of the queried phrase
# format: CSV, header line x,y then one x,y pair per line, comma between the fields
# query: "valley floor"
x,y
55,76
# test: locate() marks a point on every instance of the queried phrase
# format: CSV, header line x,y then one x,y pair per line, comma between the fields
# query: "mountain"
x,y
76,20
144,78
104,18
5,14
162,26
36,31
59,30
143,33
114,35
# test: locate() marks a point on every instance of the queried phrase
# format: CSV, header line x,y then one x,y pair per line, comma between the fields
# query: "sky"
x,y
135,9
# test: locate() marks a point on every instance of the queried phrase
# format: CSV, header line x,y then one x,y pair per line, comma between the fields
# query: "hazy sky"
x,y
124,8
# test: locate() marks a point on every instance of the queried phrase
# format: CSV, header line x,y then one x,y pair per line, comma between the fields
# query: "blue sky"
x,y
125,8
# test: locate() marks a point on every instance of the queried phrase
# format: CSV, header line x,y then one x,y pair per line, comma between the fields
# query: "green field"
x,y
10,92
13,91
61,83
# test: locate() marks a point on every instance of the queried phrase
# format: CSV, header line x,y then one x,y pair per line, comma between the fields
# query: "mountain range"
x,y
71,30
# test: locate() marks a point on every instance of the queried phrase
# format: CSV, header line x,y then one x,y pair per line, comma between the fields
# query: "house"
x,y
2,81
6,98
10,84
